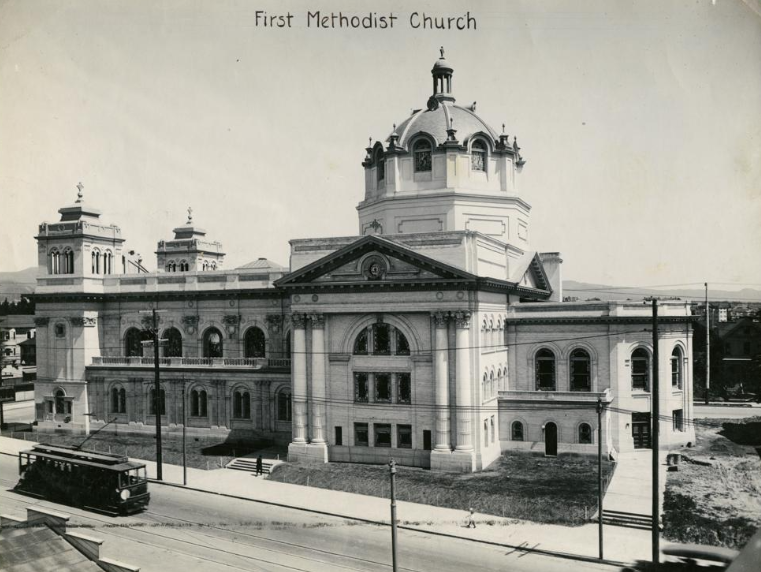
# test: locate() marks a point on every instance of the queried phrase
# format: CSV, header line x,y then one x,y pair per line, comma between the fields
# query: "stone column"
x,y
464,382
299,379
317,432
441,381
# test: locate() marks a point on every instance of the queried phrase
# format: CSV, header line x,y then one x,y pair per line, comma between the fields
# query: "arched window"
x,y
491,385
241,405
133,339
485,386
676,368
212,343
96,261
422,153
581,378
380,167
171,266
198,403
478,156
545,370
585,434
68,261
173,343
516,431
640,369
60,402
213,265
284,405
381,339
184,267
152,402
54,262
118,400
108,261
254,343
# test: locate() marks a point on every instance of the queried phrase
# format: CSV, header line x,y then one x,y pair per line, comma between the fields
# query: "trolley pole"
x,y
392,467
159,401
599,473
708,345
184,423
655,440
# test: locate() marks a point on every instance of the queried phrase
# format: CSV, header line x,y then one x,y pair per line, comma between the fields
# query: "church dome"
x,y
435,122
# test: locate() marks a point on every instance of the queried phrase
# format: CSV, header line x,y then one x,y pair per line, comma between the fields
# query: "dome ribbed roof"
x,y
435,122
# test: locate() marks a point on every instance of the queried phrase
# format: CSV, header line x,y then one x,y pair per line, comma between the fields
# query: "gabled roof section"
x,y
368,244
528,271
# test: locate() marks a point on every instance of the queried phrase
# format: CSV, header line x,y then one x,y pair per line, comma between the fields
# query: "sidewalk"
x,y
630,490
621,544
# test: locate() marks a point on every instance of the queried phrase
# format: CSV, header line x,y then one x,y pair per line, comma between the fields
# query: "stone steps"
x,y
248,464
627,519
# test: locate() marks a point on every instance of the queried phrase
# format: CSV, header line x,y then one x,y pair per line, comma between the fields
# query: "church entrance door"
x,y
641,430
551,440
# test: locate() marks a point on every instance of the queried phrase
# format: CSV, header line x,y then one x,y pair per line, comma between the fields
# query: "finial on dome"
x,y
190,215
80,186
503,128
441,49
371,142
473,107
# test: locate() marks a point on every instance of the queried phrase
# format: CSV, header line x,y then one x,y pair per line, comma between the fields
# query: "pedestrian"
x,y
258,465
471,519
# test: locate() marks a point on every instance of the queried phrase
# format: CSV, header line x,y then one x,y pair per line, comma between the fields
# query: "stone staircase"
x,y
248,464
628,519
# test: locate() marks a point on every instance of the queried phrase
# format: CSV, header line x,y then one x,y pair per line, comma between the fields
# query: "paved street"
x,y
184,530
726,412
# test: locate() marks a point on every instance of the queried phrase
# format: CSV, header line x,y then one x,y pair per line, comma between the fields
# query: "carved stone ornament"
x,y
274,321
462,319
41,321
318,321
89,322
440,319
374,267
147,321
232,320
77,321
298,320
189,324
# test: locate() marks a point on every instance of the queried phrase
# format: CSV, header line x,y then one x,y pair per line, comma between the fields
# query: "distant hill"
x,y
585,291
13,285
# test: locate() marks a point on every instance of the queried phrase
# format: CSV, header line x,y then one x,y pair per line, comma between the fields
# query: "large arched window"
x,y
61,403
545,370
676,368
212,343
382,340
173,343
198,403
581,371
254,346
422,154
284,405
118,400
640,365
516,431
133,342
241,404
478,156
585,434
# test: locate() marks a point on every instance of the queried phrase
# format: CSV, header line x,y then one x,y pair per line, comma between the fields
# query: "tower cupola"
x,y
442,82
190,251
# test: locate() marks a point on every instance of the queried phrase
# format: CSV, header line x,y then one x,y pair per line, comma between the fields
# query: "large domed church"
x,y
436,336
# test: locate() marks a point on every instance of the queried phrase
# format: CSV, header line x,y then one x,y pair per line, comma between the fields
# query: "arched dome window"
x,y
173,347
212,343
254,343
422,155
545,370
581,379
478,156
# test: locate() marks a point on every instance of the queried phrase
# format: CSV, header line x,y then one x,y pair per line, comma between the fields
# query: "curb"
x,y
565,555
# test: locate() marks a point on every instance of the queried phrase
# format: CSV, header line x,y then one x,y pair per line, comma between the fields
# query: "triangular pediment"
x,y
374,259
535,277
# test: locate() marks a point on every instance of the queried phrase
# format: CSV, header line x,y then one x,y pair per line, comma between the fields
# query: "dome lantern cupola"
x,y
190,251
442,82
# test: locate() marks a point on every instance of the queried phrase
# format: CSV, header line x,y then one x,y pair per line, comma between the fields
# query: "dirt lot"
x,y
715,497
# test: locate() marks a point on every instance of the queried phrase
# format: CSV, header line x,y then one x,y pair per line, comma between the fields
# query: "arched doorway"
x,y
551,440
212,343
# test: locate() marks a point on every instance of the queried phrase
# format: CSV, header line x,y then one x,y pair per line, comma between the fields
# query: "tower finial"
x,y
80,186
441,49
190,215
503,128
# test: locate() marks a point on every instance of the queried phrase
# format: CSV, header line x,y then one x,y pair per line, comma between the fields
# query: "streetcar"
x,y
104,482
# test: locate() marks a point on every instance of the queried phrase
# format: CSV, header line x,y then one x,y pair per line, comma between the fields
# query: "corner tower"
x,y
190,251
442,169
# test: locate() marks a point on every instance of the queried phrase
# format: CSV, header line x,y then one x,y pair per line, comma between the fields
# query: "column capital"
x,y
318,321
440,319
298,321
462,319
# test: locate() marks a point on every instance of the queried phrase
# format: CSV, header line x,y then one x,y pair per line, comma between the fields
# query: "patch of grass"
x,y
201,453
559,490
715,497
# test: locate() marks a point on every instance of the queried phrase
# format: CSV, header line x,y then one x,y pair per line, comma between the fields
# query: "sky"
x,y
640,123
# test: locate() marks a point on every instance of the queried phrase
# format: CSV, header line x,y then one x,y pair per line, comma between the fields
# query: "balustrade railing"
x,y
244,363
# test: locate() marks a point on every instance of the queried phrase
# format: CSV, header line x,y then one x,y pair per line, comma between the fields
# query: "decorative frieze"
x,y
86,322
274,322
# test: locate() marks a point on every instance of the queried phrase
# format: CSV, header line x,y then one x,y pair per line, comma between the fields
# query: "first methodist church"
x,y
436,336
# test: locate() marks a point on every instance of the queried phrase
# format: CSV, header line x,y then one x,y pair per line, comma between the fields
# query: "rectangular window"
x,y
383,387
360,435
339,435
404,436
382,434
678,420
404,389
361,388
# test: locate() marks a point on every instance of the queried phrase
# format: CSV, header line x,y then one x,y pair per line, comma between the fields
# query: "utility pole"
x,y
158,402
184,423
655,440
708,345
392,467
599,472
